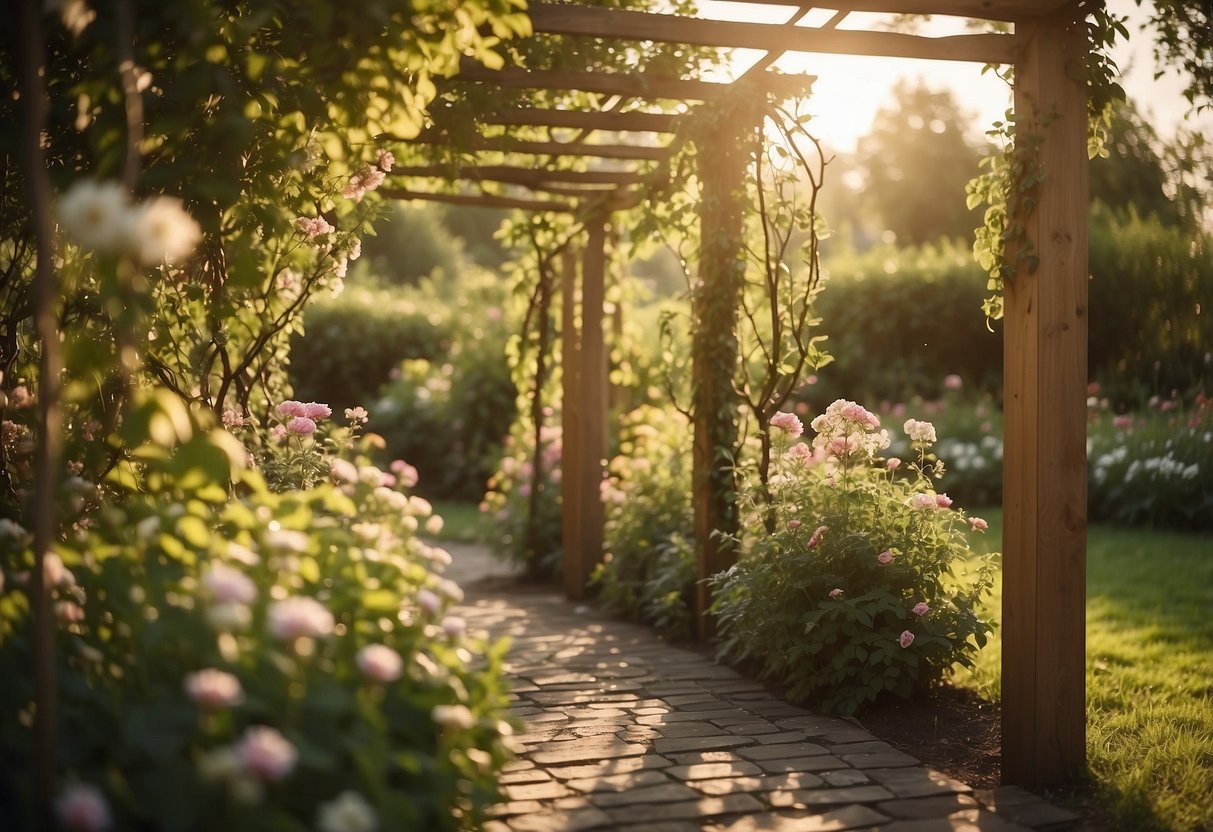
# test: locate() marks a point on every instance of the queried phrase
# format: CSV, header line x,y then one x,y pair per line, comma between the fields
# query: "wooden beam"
x,y
570,420
522,176
578,120
508,144
633,85
478,200
593,21
593,408
1044,469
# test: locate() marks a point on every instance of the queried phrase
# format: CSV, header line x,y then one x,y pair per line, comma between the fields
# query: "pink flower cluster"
x,y
978,524
848,430
379,663
818,534
298,617
265,753
927,502
313,226
788,423
83,807
385,161
213,689
363,182
406,474
299,418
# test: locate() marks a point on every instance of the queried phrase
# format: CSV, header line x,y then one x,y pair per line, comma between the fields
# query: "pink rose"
x,y
921,608
356,415
212,689
293,618
953,382
227,585
301,425
316,411
83,807
835,593
817,535
290,408
885,557
893,463
906,639
978,524
787,422
943,500
453,626
265,753
385,161
379,663
793,525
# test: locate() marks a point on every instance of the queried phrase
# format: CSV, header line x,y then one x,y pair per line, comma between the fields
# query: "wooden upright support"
x,y
570,416
1044,480
583,529
722,158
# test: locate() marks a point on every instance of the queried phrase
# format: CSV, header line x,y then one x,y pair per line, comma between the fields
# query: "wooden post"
x,y
1044,480
570,410
721,167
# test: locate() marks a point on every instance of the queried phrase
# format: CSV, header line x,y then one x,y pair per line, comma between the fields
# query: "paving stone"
x,y
535,791
526,775
606,768
688,716
705,771
868,747
702,808
619,782
823,763
680,744
596,713
754,729
851,817
693,699
580,752
939,806
881,759
518,765
546,716
969,820
687,729
639,733
915,782
663,793
782,751
783,737
765,783
664,826
572,821
845,777
802,798
508,809
1025,808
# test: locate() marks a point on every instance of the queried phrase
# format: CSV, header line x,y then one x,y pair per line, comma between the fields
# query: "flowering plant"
x,y
281,660
856,592
523,500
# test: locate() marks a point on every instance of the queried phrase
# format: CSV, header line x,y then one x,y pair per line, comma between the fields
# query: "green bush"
x,y
412,243
648,569
851,594
266,661
523,504
350,344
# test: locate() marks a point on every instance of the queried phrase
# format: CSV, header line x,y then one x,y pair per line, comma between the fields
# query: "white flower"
x,y
348,812
212,689
379,663
453,716
453,626
227,585
434,525
428,601
229,616
342,470
919,431
293,618
287,540
162,231
265,753
95,215
83,807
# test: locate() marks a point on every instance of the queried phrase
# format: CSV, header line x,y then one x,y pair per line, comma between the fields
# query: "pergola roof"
x,y
530,153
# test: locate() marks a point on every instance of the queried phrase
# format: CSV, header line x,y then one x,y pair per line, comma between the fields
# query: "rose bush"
x,y
856,592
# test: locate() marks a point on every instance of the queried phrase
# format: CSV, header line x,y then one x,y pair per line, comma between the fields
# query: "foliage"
x,y
1131,176
853,594
450,417
648,567
1183,41
233,658
1149,658
915,163
523,500
1153,468
411,243
1149,331
350,345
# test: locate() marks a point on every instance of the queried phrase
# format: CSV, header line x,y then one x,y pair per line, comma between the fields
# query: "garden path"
x,y
625,731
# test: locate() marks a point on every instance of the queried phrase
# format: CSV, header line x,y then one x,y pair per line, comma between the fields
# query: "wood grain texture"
x,y
1044,486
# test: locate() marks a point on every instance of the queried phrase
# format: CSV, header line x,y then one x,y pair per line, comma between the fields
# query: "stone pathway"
x,y
624,731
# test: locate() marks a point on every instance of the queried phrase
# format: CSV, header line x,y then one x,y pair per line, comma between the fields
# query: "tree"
x,y
1132,171
915,164
1183,42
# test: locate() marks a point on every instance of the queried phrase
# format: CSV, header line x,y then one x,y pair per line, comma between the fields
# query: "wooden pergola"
x,y
1045,326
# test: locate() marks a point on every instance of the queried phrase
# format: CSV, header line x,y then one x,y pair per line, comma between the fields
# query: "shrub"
x,y
351,344
266,661
850,594
648,569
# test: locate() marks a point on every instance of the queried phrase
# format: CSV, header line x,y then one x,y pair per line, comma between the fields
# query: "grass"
x,y
1149,675
462,522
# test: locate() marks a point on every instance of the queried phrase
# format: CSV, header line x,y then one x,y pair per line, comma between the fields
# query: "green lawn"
x,y
462,522
1149,675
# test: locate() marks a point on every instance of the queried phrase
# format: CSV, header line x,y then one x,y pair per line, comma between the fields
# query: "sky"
x,y
849,90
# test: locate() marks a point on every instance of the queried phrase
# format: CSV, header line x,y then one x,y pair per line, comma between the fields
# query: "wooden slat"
x,y
570,419
1001,10
570,19
593,403
523,176
478,200
508,144
1044,475
633,85
615,122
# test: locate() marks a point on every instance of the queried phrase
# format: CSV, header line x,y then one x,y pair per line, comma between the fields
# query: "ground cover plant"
x,y
1149,666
